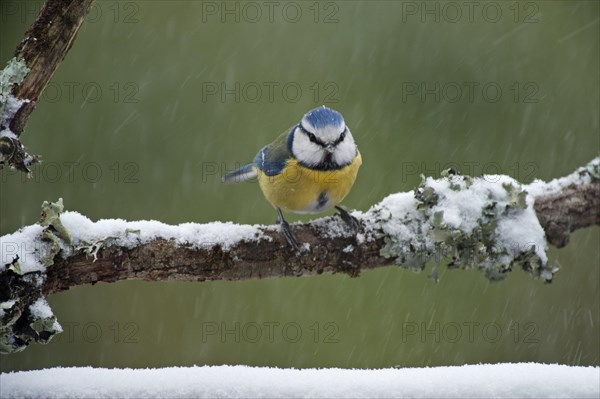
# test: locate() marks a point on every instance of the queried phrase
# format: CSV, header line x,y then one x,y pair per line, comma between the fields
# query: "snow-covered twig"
x,y
491,223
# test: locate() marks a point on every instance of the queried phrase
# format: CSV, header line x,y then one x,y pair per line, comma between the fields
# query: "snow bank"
x,y
522,380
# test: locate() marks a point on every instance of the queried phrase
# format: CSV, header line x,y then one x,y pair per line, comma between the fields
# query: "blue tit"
x,y
309,168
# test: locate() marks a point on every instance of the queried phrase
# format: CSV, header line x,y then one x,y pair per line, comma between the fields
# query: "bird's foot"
x,y
289,237
287,232
349,219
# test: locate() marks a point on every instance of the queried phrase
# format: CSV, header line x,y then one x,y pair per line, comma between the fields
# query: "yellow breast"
x,y
302,190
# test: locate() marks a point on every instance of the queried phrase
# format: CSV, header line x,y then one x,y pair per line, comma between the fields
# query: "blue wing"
x,y
271,160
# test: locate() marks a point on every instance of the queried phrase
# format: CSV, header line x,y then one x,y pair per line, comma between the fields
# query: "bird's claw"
x,y
287,233
289,237
350,220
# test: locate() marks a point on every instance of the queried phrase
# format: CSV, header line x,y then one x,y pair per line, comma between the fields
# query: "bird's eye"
x,y
311,136
341,138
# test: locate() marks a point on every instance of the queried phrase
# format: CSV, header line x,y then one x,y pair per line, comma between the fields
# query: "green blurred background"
x,y
144,115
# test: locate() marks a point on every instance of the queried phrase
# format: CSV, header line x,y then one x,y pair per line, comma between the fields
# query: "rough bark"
x,y
43,48
163,260
573,208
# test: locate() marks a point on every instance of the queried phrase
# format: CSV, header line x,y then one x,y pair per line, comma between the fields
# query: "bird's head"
x,y
322,140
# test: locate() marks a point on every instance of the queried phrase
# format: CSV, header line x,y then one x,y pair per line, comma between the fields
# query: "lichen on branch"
x,y
12,151
24,313
486,223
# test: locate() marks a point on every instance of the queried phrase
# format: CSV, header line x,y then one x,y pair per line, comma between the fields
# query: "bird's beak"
x,y
330,148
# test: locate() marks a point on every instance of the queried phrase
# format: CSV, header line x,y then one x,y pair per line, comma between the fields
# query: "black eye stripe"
x,y
315,140
342,137
311,136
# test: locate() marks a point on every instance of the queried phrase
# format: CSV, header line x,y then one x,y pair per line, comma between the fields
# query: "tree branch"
x,y
491,223
42,49
575,207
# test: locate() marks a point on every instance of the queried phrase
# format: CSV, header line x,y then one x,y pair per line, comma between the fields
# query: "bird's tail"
x,y
244,173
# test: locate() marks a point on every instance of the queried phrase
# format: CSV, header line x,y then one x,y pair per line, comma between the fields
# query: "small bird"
x,y
309,168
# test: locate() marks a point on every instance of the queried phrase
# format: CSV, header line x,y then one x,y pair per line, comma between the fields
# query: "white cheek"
x,y
306,151
345,151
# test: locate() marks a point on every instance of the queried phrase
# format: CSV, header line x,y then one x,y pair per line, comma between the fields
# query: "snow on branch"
x,y
491,223
44,46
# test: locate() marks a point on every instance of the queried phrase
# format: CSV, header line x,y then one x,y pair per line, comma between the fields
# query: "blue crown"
x,y
322,117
